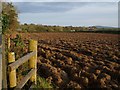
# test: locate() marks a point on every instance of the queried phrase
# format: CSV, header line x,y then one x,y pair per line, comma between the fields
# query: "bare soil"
x,y
78,60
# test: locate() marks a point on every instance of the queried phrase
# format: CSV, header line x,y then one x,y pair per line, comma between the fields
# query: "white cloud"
x,y
97,8
65,19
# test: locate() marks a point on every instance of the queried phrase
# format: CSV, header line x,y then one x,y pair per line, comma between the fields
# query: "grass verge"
x,y
42,84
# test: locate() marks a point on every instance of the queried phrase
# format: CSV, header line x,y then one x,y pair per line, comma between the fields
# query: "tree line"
x,y
47,28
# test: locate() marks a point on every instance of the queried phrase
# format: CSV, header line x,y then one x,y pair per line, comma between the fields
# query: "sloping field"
x,y
78,60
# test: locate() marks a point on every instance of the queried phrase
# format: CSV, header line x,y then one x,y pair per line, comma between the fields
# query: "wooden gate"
x,y
14,64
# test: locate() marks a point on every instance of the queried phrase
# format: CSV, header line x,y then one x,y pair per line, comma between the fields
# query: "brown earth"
x,y
78,60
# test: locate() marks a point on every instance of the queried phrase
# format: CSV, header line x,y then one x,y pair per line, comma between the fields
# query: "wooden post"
x,y
8,43
0,72
33,60
12,74
4,64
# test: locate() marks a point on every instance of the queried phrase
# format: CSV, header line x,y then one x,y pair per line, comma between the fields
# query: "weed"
x,y
42,83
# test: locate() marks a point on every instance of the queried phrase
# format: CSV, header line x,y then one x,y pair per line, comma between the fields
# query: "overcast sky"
x,y
85,13
63,0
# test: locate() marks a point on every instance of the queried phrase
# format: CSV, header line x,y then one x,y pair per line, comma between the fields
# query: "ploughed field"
x,y
78,60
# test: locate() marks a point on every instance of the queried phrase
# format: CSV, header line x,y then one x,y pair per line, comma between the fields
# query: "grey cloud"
x,y
54,7
42,7
68,13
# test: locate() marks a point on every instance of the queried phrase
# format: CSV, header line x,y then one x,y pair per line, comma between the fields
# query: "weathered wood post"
x,y
12,74
8,44
4,64
0,70
33,59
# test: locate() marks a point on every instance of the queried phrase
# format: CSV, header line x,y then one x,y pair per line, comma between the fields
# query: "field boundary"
x,y
14,64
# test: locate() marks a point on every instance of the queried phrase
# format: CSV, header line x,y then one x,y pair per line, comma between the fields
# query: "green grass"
x,y
42,84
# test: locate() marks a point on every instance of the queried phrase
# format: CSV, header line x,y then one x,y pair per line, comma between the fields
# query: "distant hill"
x,y
104,27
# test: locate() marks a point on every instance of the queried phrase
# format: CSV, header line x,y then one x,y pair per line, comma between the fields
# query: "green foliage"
x,y
18,46
42,83
18,41
45,28
9,17
5,22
